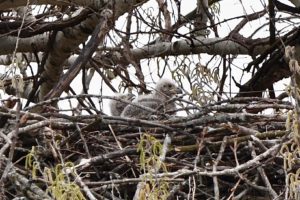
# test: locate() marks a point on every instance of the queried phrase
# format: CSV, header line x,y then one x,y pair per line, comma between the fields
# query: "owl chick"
x,y
164,90
117,107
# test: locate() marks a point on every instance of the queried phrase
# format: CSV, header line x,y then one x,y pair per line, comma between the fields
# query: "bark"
x,y
35,43
93,3
67,40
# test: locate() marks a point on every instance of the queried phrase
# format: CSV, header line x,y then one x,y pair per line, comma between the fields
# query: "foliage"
x,y
58,181
150,150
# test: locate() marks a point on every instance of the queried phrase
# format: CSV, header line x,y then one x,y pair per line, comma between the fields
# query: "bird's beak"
x,y
131,96
178,90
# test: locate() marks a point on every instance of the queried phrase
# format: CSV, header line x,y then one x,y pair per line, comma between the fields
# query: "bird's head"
x,y
167,88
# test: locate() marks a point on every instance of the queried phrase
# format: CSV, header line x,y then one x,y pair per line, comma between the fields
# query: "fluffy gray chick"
x,y
117,107
164,90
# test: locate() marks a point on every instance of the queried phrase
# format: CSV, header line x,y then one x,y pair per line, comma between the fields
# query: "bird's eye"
x,y
169,85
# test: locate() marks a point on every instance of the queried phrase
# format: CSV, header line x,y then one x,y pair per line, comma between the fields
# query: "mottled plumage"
x,y
117,107
159,100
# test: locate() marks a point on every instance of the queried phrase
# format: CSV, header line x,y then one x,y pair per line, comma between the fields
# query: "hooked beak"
x,y
131,96
178,90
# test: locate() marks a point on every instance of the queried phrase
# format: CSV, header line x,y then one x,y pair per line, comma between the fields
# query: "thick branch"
x,y
68,40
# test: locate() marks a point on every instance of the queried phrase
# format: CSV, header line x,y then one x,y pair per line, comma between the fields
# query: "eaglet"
x,y
116,107
159,101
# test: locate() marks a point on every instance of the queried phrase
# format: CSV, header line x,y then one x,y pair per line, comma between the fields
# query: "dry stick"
x,y
238,129
233,189
121,148
102,158
176,188
163,7
263,174
85,188
7,139
28,128
228,108
194,187
162,157
259,143
240,195
86,83
130,121
12,114
52,144
143,122
237,164
27,186
234,117
15,133
254,183
236,106
130,181
231,172
14,137
200,147
235,147
67,171
264,135
215,178
83,140
50,101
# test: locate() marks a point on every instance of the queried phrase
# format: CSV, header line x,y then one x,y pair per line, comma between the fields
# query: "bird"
x,y
116,107
158,100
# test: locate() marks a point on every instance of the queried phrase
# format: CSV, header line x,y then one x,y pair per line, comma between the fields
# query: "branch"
x,y
97,38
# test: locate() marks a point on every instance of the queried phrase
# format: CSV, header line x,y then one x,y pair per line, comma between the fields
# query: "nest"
x,y
227,150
